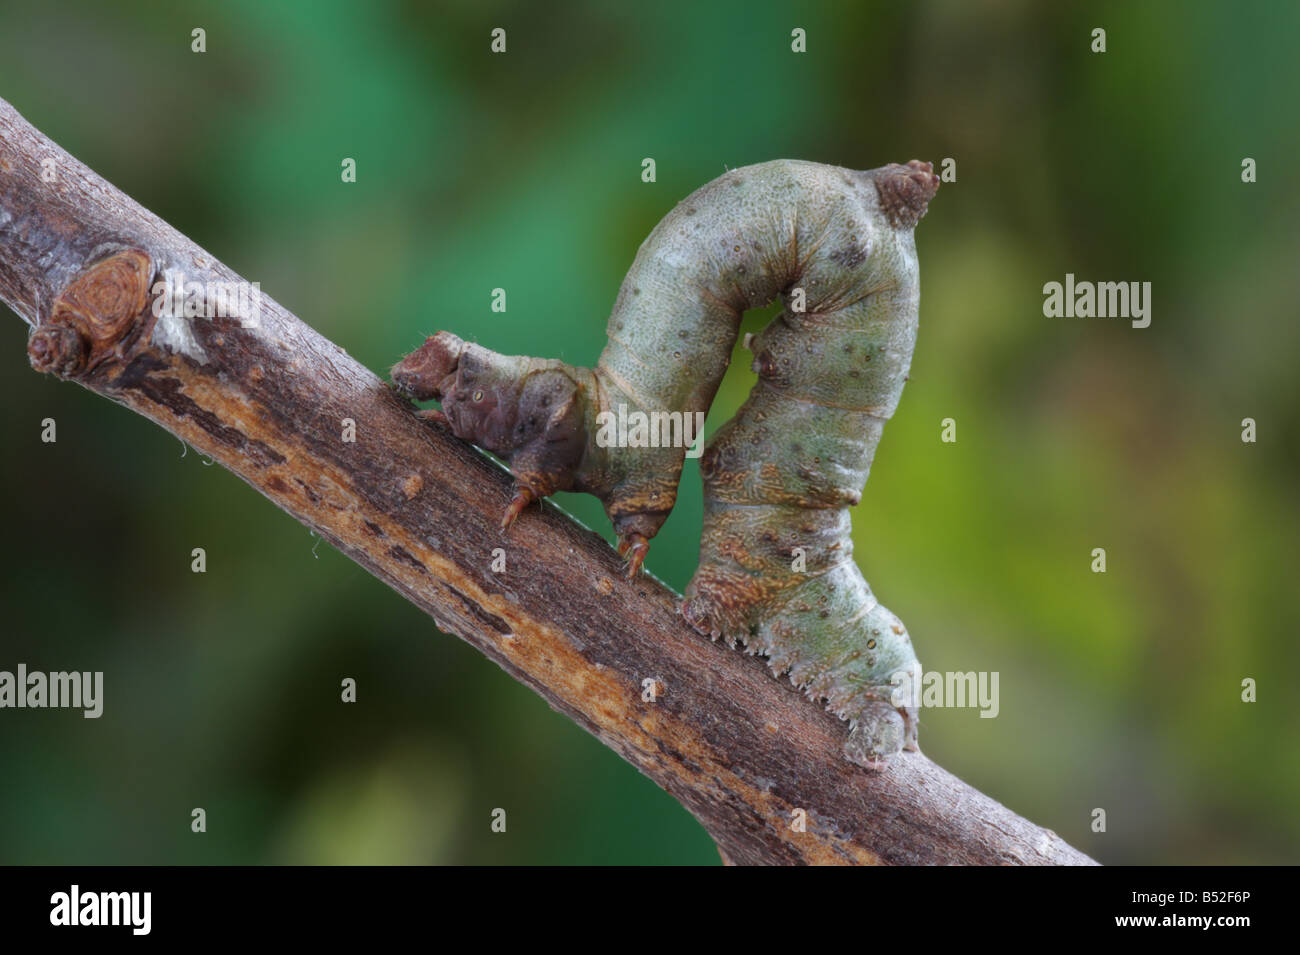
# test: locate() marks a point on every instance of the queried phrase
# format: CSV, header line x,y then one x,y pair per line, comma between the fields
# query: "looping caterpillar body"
x,y
836,246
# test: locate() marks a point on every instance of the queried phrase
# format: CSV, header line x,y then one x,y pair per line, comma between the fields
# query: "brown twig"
x,y
420,510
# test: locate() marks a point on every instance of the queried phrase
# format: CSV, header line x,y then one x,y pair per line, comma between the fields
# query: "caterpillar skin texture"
x,y
780,476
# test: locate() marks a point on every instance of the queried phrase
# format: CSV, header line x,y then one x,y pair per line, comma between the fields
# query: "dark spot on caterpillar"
x,y
824,614
848,349
690,211
636,291
871,644
850,257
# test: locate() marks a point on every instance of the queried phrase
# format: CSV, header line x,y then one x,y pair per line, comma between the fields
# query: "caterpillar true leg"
x,y
634,547
523,497
432,414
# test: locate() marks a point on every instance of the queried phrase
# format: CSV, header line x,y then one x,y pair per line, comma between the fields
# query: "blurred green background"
x,y
1119,691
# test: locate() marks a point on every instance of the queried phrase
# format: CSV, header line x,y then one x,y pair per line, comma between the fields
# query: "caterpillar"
x,y
776,570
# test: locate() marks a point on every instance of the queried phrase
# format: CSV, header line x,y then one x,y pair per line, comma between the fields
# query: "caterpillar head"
x,y
505,403
427,372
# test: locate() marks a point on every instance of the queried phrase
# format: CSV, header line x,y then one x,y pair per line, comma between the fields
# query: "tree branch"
x,y
420,510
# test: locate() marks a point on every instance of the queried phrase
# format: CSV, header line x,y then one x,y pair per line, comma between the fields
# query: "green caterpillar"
x,y
776,567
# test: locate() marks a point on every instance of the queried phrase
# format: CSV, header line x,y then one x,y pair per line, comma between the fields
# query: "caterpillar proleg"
x,y
776,570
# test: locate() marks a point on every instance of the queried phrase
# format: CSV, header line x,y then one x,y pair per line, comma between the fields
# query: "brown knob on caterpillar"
x,y
906,191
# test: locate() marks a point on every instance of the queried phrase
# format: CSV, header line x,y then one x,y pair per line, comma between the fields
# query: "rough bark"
x,y
420,510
